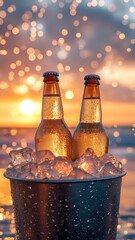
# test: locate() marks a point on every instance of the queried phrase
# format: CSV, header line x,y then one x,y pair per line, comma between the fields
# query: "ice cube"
x,y
43,168
108,170
77,173
89,162
60,168
28,170
30,176
33,169
89,152
12,172
23,169
10,165
42,156
21,156
108,157
44,165
120,166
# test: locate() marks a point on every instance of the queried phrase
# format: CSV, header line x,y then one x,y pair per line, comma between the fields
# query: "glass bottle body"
x,y
53,133
90,132
89,135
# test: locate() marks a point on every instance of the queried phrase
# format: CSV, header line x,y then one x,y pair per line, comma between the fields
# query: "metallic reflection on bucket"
x,y
66,209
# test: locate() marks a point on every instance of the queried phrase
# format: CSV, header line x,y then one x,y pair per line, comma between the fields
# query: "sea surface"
x,y
122,145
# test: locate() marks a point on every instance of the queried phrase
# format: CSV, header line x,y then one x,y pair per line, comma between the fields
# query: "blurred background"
x,y
74,38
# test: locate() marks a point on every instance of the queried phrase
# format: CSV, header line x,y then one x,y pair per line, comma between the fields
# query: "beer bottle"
x,y
90,132
53,133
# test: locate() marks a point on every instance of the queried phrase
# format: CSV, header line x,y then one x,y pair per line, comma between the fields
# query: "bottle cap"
x,y
91,76
50,73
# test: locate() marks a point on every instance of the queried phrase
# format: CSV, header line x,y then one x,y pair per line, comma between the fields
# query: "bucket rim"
x,y
66,180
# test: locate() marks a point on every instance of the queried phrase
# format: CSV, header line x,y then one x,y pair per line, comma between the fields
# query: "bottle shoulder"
x,y
53,125
89,128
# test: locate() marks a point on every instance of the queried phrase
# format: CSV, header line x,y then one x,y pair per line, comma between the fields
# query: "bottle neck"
x,y
51,104
91,104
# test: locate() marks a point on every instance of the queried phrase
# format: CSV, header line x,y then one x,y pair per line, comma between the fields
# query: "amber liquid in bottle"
x,y
53,133
90,132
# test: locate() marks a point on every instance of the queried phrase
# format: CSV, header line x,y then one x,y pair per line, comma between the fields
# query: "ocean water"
x,y
122,145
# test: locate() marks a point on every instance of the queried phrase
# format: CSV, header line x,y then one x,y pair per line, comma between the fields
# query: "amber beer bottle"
x,y
53,133
90,132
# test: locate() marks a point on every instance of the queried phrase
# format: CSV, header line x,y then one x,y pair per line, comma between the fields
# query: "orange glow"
x,y
1,21
16,50
40,33
3,14
34,8
30,80
3,85
27,69
15,31
121,36
61,41
38,68
62,54
68,48
69,94
9,27
116,134
108,48
113,113
13,132
30,50
124,160
21,73
27,107
81,69
12,65
78,35
114,84
11,9
40,56
3,42
99,55
48,53
32,57
1,216
25,26
76,23
59,15
18,63
67,68
85,18
5,191
54,42
64,32
22,89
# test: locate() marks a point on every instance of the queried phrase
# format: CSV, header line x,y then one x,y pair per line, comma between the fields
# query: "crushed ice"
x,y
44,165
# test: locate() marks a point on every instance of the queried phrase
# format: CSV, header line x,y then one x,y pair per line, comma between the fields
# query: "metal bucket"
x,y
66,209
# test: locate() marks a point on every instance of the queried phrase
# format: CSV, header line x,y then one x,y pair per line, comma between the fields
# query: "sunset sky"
x,y
74,38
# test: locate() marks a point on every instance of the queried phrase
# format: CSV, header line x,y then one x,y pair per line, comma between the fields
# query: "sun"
x,y
27,107
69,94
